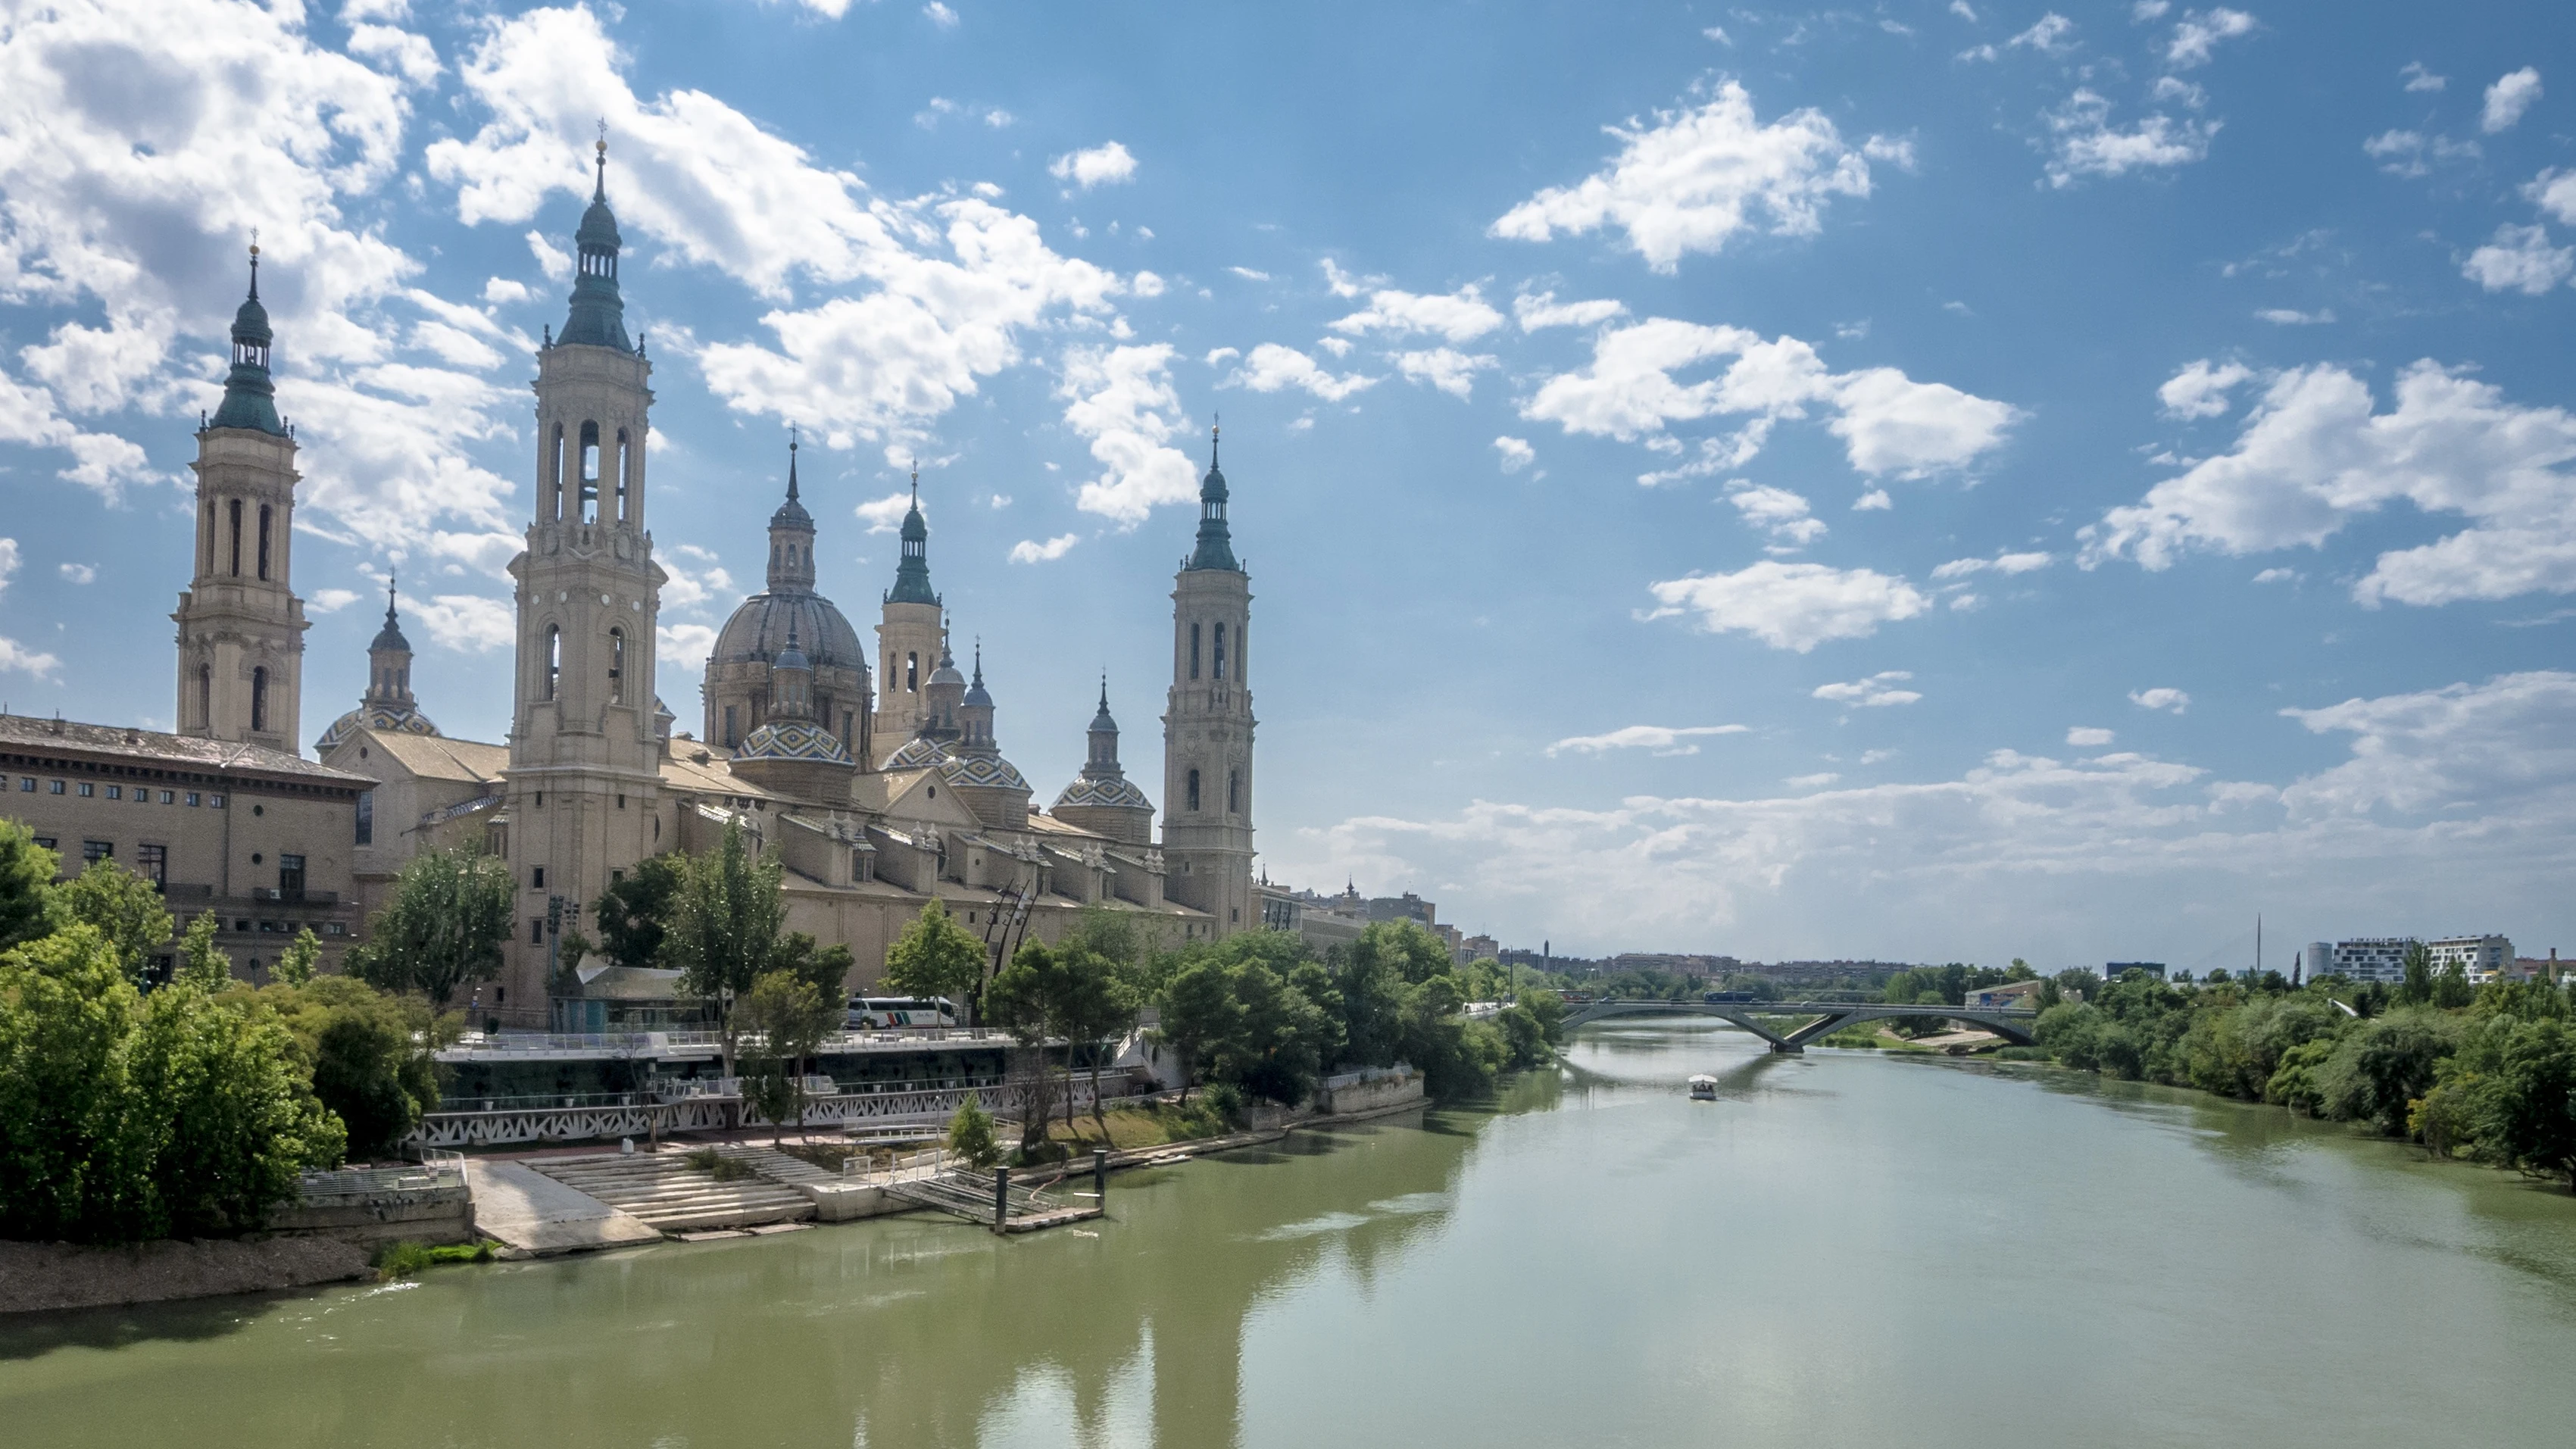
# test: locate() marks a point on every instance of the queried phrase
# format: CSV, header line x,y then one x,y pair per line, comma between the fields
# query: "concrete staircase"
x,y
662,1190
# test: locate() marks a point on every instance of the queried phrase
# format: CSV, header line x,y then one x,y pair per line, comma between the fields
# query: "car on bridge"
x,y
1721,998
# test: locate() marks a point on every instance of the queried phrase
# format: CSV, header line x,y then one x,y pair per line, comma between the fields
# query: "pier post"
x,y
1100,1177
1001,1199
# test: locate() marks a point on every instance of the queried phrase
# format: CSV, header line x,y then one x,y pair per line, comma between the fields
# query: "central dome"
x,y
757,632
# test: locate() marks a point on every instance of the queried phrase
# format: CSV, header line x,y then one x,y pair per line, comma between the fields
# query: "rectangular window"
x,y
167,797
537,879
94,851
536,930
1194,651
152,862
733,730
1219,671
290,877
335,928
53,787
46,841
27,783
116,792
87,789
366,817
192,799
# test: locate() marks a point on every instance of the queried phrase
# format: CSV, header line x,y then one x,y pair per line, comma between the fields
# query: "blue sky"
x,y
1923,481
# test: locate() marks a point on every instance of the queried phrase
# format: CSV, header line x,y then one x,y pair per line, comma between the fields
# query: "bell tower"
x,y
584,777
241,628
1208,724
910,641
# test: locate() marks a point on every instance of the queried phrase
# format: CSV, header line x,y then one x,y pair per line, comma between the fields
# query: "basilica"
x,y
879,788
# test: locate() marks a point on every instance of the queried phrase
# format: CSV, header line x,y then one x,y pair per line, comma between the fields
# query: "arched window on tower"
x,y
259,698
263,540
554,661
1194,790
625,465
616,666
205,696
912,674
1219,671
550,509
1194,649
207,565
590,472
233,510
1234,792
733,726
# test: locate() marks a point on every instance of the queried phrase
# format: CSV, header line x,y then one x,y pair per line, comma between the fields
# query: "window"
x,y
616,666
536,930
259,698
27,783
205,695
115,792
554,662
366,817
94,851
192,799
46,841
233,510
1194,651
263,540
87,789
1194,789
1233,792
537,879
53,787
1219,671
733,726
590,472
625,464
290,877
152,862
912,674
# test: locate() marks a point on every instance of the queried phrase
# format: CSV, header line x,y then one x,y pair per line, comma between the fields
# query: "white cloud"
x,y
469,623
1781,513
1662,739
2291,317
2006,563
1104,165
2412,153
2511,95
2452,802
77,573
397,52
885,515
1271,367
1543,310
2087,737
1029,551
2519,259
2053,35
2087,145
2146,10
17,656
2201,390
1791,605
1816,781
1696,178
503,292
2160,698
684,645
325,601
1121,400
2199,33
1460,316
940,15
2554,191
2315,455
2420,79
1516,453
2278,576
1964,11
1888,422
1878,691
1445,368
9,564
1249,275
696,578
1875,500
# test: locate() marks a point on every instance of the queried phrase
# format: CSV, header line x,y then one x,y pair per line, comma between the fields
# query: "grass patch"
x,y
718,1166
826,1155
403,1257
1147,1126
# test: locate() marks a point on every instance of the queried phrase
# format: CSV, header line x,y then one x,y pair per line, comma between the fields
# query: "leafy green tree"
x,y
2451,988
1198,1016
970,1133
28,909
124,907
1548,1009
1027,999
725,924
71,1166
792,1019
200,959
371,1054
2294,1082
1275,1048
2382,1065
1093,1008
2417,987
2530,1115
295,964
443,928
826,968
231,1118
935,956
634,913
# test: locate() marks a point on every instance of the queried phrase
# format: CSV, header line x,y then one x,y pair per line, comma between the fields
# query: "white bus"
x,y
880,1013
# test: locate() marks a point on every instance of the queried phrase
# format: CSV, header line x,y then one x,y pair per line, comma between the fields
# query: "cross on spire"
x,y
599,189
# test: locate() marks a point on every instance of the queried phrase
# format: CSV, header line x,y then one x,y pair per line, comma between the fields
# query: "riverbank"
x,y
47,1277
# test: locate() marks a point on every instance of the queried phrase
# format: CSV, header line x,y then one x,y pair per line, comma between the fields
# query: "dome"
x,y
250,324
917,754
988,771
947,673
598,230
793,739
1113,791
758,631
392,719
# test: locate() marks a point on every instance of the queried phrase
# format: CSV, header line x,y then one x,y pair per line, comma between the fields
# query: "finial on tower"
x,y
389,597
1216,424
254,264
599,189
791,462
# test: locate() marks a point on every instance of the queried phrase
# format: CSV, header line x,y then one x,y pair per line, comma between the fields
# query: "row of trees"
x,y
2486,1072
132,1110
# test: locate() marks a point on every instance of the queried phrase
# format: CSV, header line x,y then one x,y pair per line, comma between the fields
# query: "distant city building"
x,y
2010,994
2315,959
1673,964
1478,947
2535,968
2372,958
2114,970
2480,958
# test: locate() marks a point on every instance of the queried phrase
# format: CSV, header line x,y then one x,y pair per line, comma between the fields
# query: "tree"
x,y
28,909
970,1132
124,907
1024,1000
1276,1046
725,923
443,928
1092,1008
1198,1014
826,967
935,956
634,913
792,1018
69,1165
295,964
200,959
370,1054
2417,987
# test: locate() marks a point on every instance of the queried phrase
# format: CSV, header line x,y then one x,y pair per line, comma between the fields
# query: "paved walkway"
x,y
537,1216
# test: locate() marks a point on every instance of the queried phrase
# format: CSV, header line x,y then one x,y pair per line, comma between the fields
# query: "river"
x,y
1845,1249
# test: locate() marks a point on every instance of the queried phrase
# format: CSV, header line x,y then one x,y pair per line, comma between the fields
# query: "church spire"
x,y
791,538
598,316
912,574
1216,544
250,396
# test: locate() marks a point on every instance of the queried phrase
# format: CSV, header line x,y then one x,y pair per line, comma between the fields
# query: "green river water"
x,y
1844,1250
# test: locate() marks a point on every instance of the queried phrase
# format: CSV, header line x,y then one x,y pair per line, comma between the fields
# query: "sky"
x,y
1924,481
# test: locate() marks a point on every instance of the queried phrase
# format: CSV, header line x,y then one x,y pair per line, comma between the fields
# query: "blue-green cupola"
x,y
791,539
250,397
598,313
1216,544
912,575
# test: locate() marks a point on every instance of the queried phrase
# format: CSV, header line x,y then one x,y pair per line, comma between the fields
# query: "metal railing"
x,y
362,1182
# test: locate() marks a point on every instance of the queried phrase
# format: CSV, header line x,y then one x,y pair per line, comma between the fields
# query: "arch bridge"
x,y
1785,1034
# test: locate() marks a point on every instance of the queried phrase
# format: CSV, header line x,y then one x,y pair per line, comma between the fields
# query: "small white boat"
x,y
1703,1088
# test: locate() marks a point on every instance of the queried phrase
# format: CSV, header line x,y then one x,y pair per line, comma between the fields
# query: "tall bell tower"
x,y
910,640
1208,724
585,750
241,628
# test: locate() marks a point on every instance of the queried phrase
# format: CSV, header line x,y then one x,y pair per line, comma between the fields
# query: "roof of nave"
x,y
24,732
437,757
684,773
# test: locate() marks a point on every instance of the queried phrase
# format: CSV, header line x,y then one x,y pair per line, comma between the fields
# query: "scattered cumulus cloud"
x,y
1543,310
1777,511
2199,32
2519,259
2162,698
1514,453
2413,154
1120,400
2554,192
2292,317
2510,96
1661,739
1271,367
2053,34
1878,691
2005,563
885,515
1790,605
78,573
1107,164
1249,275
1445,368
1696,178
1028,551
324,601
2202,389
1456,317
472,624
2087,144
2278,576
940,15
2088,737
2419,79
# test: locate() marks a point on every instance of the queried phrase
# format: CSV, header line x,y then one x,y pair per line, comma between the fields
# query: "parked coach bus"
x,y
880,1013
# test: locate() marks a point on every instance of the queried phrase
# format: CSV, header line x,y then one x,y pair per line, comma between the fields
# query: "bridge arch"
x,y
1828,1017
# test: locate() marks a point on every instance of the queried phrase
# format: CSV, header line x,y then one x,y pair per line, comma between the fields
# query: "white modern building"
x,y
2315,960
2478,957
2372,958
